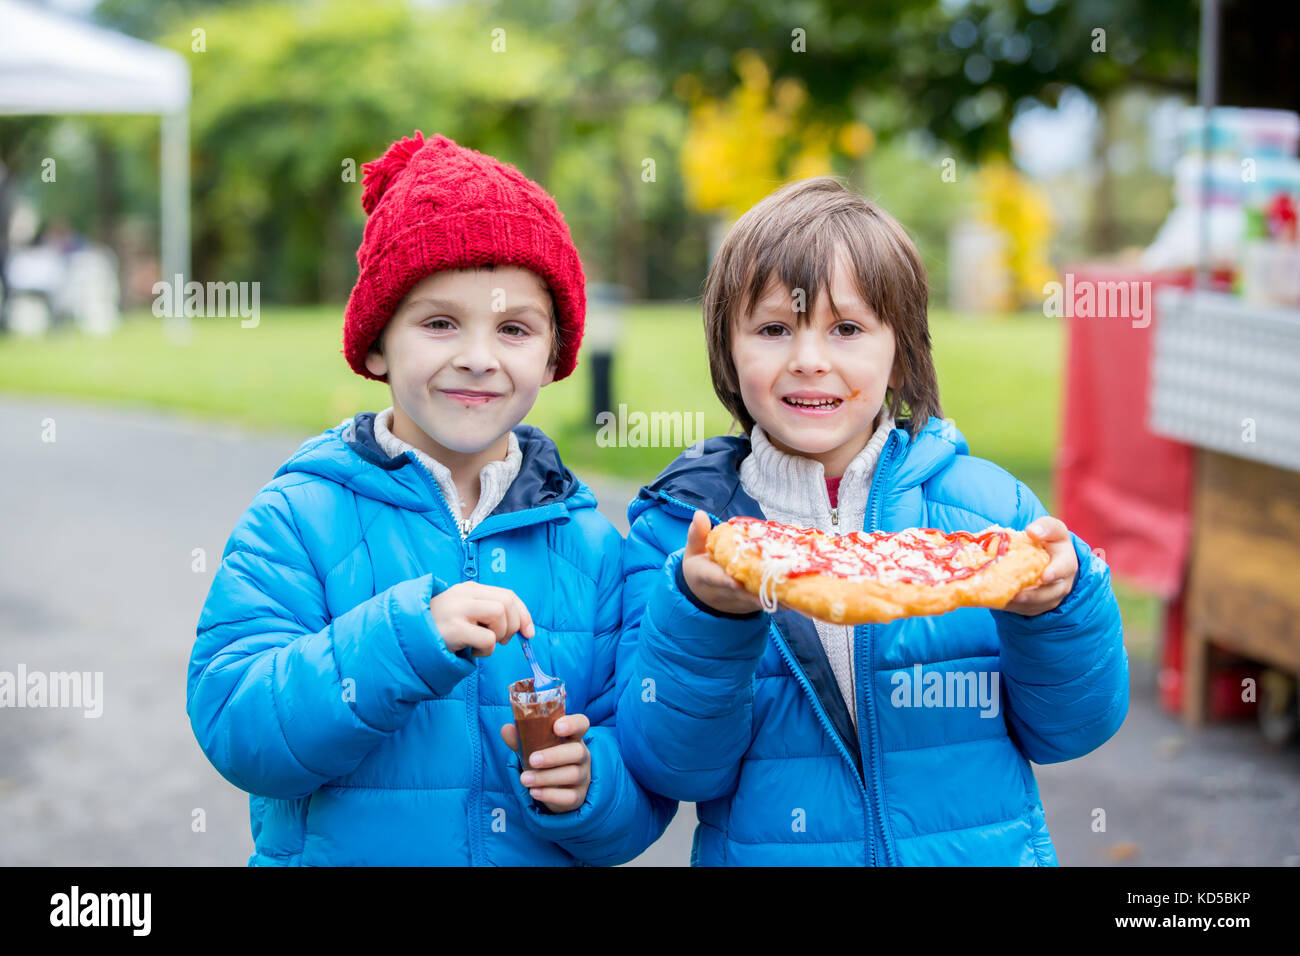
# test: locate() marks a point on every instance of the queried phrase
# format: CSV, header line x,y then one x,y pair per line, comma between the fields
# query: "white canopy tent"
x,y
50,63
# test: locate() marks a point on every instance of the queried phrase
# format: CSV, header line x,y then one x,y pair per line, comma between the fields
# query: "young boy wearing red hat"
x,y
354,653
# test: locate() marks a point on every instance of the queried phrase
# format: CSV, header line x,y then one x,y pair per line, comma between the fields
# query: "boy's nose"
x,y
809,356
476,355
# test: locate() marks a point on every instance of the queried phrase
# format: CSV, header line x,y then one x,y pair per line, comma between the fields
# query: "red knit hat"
x,y
434,205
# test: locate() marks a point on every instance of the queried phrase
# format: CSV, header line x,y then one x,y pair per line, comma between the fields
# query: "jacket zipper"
x,y
469,572
871,728
462,524
853,691
830,732
853,683
802,678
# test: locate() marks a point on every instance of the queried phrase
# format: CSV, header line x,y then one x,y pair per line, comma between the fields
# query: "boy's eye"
x,y
514,331
847,329
438,324
771,330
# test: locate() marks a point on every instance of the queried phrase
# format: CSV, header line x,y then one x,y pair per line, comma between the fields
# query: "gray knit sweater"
x,y
792,489
494,478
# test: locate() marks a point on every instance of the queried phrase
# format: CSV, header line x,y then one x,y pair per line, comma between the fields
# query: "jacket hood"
x,y
350,455
707,476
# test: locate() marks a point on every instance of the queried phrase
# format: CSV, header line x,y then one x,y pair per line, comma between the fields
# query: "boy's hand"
x,y
480,616
1058,576
561,774
708,582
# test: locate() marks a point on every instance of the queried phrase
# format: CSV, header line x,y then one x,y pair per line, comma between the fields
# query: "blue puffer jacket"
x,y
742,714
319,684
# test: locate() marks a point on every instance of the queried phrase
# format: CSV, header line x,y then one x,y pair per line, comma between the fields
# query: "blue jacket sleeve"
x,y
685,710
619,818
1065,671
281,698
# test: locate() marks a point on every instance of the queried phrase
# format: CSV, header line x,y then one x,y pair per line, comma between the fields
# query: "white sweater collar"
x,y
494,478
794,487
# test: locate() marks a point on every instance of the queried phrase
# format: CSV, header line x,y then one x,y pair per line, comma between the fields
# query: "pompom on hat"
x,y
434,205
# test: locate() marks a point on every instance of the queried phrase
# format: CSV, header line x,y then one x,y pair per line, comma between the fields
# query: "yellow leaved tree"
x,y
740,148
1022,213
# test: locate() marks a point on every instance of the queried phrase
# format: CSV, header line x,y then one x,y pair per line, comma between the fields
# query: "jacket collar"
x,y
707,475
794,486
347,452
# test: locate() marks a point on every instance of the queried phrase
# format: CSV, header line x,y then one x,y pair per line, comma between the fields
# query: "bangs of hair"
x,y
805,259
792,240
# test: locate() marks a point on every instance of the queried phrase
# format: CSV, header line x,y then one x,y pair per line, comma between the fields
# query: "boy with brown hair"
x,y
805,742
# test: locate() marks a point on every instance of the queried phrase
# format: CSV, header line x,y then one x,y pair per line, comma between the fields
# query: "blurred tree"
x,y
149,19
622,132
291,99
1022,213
308,86
738,149
580,96
22,140
907,181
960,69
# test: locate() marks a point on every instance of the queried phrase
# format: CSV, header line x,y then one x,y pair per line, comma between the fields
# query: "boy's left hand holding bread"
x,y
1058,577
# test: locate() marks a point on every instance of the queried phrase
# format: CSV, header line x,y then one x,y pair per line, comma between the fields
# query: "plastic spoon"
x,y
541,681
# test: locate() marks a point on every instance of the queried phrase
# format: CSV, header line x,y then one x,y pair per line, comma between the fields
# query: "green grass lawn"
x,y
1000,382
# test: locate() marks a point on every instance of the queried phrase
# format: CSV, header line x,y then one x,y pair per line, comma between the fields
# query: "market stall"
x,y
1180,459
1226,381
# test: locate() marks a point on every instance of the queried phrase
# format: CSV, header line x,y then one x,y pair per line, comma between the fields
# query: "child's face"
x,y
466,352
843,364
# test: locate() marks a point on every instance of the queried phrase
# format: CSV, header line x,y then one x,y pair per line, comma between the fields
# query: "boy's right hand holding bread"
x,y
470,614
708,582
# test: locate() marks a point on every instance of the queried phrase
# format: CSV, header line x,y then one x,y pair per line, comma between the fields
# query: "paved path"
x,y
96,557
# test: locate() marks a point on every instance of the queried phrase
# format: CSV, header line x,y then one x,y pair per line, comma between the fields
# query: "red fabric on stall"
x,y
1120,487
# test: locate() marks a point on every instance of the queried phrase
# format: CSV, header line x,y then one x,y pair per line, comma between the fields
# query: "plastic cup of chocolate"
x,y
535,716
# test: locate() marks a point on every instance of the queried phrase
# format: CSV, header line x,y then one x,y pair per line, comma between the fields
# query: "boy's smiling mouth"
x,y
470,396
812,403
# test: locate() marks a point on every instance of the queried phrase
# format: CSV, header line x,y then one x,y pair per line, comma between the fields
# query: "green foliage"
x,y
286,93
291,99
958,70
